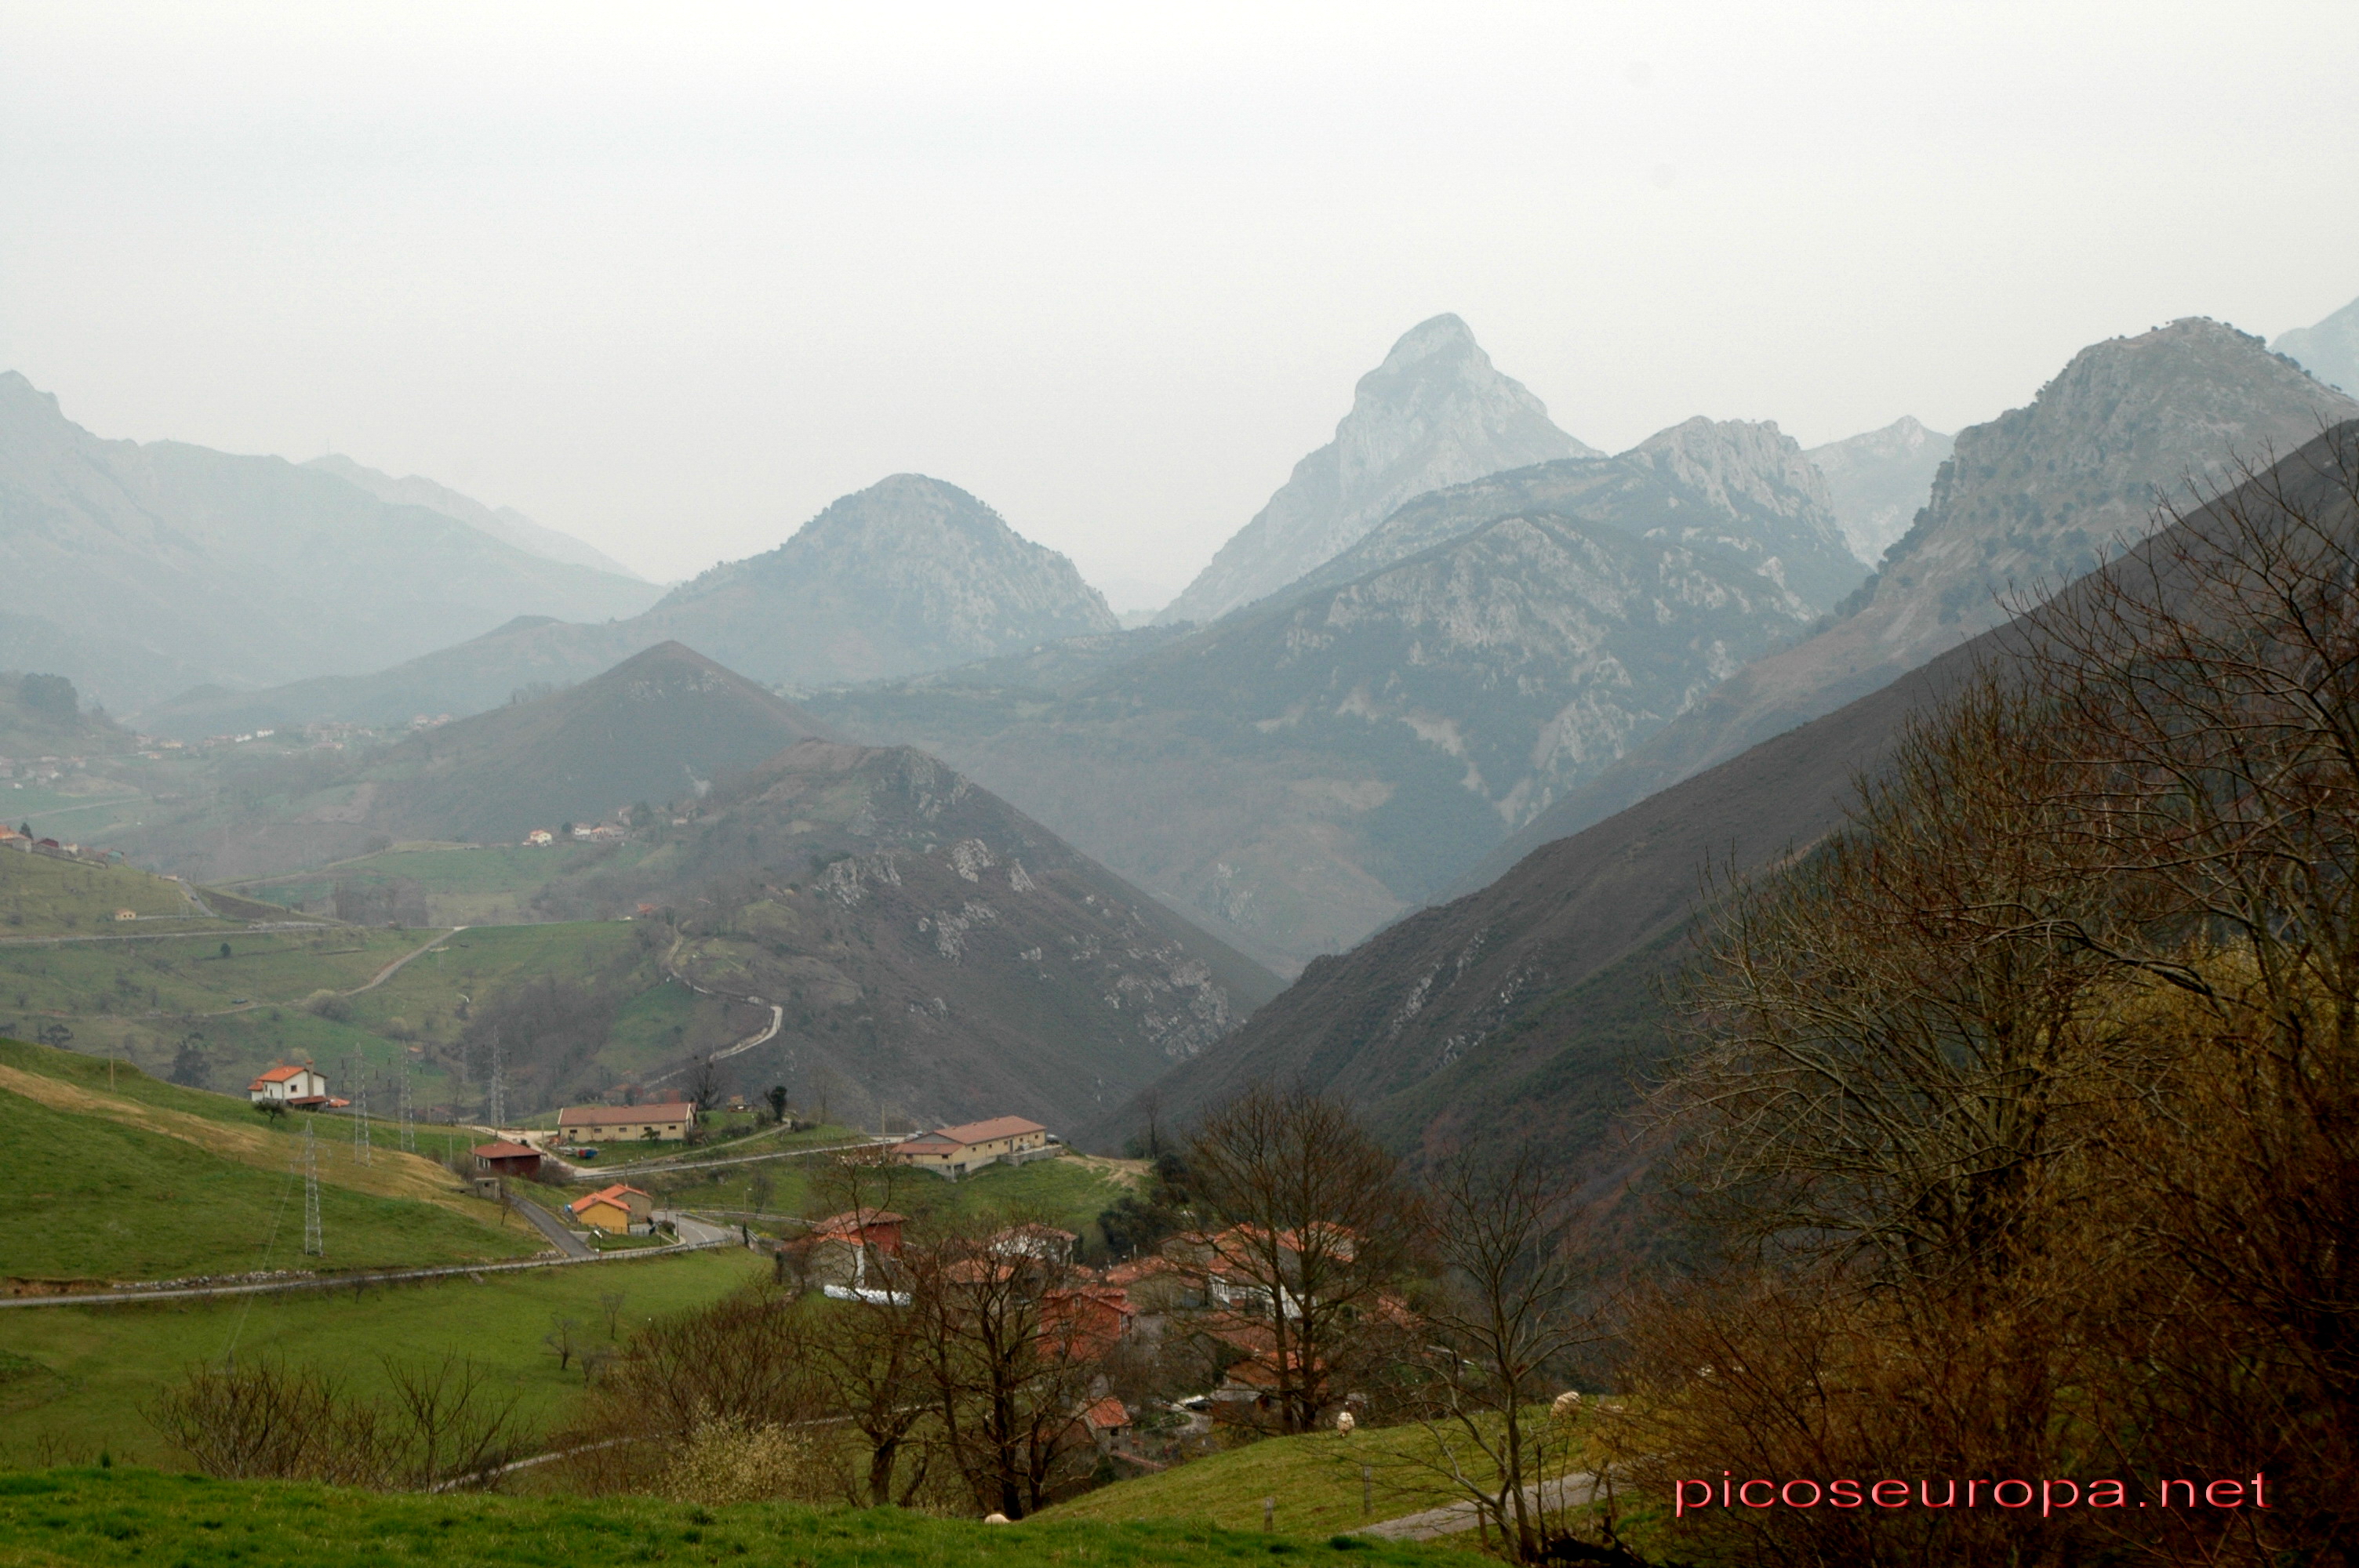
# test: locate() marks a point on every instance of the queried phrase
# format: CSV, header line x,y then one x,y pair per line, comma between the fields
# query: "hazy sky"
x,y
671,278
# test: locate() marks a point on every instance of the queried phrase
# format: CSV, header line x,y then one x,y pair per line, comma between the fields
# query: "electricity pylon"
x,y
499,1087
361,1149
314,1244
408,1130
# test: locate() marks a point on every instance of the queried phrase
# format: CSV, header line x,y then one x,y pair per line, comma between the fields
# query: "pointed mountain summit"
x,y
2329,351
1879,482
659,726
2025,503
1435,413
906,576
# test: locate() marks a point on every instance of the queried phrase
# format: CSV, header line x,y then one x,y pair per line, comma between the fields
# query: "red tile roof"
x,y
1107,1414
278,1076
503,1149
618,1195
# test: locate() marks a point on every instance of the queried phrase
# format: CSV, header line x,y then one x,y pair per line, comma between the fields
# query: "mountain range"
x,y
143,569
1435,413
909,574
1533,1009
2026,502
1311,766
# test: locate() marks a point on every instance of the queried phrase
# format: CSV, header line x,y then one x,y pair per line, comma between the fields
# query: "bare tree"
x,y
1498,1330
1319,1226
1010,1382
703,1083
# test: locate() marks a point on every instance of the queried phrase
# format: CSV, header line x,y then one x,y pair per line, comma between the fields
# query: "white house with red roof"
x,y
297,1087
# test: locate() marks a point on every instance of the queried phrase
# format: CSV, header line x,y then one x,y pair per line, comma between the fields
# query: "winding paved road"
x,y
564,1240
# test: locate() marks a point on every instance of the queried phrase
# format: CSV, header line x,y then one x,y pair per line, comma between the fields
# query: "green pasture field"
x,y
1064,1193
463,884
126,1516
97,1200
137,1000
95,1370
42,896
1315,1477
187,974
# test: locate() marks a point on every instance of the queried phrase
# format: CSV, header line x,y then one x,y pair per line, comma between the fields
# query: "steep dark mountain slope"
x,y
1435,413
1527,1009
2029,501
140,570
937,953
1880,480
907,576
1309,767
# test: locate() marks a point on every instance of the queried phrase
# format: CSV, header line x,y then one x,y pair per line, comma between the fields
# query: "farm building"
x,y
952,1152
589,1123
506,1159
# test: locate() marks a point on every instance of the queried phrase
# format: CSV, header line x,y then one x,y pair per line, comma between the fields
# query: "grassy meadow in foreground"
x,y
91,1371
123,1516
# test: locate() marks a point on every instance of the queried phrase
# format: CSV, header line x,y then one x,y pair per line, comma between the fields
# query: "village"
x,y
1164,1348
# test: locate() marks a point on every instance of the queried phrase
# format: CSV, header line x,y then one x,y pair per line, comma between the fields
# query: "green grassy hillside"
x,y
44,896
92,1370
1316,1478
119,1177
122,1515
96,1200
457,884
180,1006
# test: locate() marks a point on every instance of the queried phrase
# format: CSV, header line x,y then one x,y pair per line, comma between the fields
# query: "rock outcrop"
x,y
1435,413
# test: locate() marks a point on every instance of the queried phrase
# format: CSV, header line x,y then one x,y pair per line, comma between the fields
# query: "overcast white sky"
x,y
673,277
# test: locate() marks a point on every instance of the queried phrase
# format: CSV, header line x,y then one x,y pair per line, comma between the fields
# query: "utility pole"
x,y
314,1244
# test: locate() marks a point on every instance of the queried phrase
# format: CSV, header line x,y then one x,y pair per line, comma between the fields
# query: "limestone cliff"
x,y
1435,413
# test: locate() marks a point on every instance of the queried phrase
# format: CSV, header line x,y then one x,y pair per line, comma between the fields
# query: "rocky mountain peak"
x,y
1744,487
1435,413
909,574
1879,481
